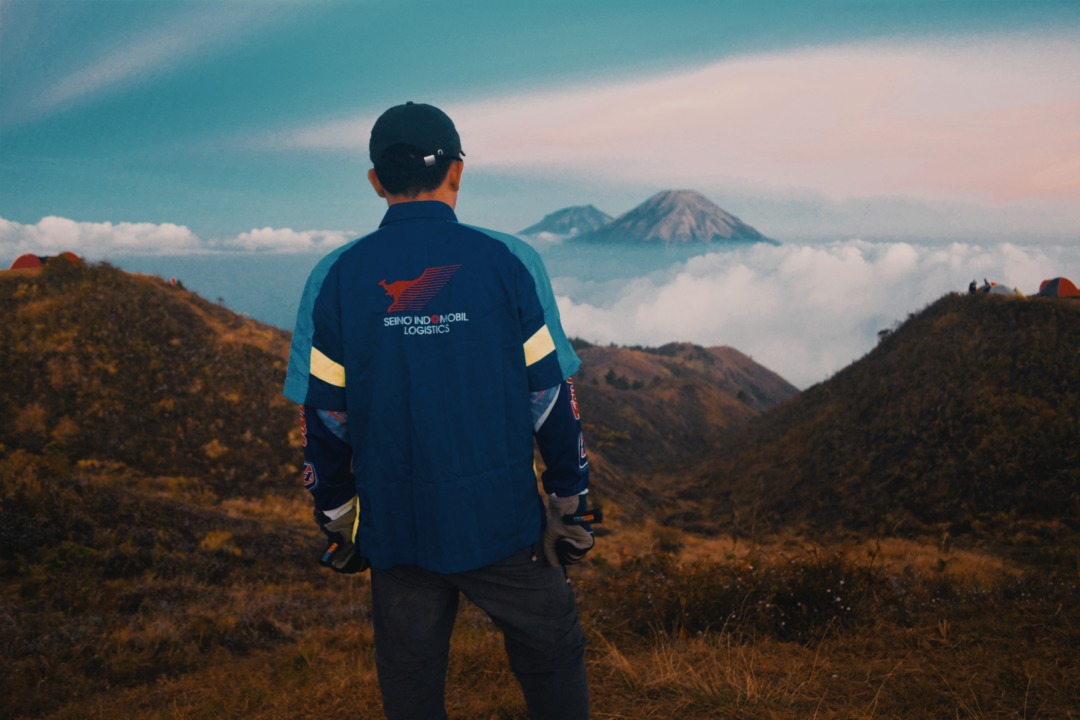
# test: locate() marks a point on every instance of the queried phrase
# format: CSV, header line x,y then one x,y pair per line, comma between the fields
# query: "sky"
x,y
185,126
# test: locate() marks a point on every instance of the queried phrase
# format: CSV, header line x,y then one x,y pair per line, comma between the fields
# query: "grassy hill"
x,y
103,364
964,419
157,555
148,492
657,409
645,406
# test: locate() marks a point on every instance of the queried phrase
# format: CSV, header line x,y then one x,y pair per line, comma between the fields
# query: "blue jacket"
x,y
431,335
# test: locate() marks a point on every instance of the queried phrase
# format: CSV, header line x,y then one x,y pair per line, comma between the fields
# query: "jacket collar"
x,y
418,210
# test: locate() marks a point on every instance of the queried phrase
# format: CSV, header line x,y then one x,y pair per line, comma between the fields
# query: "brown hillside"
x,y
149,507
965,419
655,409
650,407
103,364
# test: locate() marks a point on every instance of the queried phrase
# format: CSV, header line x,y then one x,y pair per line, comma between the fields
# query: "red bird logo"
x,y
415,294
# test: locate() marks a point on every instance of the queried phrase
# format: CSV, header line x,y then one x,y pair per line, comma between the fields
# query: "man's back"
x,y
431,320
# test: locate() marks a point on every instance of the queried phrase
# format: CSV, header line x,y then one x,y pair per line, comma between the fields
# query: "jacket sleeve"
x,y
565,356
557,428
326,368
328,472
296,377
539,338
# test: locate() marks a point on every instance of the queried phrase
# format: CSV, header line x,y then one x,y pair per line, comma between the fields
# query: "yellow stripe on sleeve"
x,y
326,369
356,520
539,346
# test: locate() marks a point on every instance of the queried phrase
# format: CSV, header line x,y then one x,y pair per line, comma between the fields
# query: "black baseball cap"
x,y
423,126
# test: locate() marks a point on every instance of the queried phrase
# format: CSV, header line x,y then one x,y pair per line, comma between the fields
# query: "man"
x,y
427,356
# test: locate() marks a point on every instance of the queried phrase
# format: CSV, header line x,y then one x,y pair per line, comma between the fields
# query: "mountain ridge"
x,y
677,217
669,217
568,222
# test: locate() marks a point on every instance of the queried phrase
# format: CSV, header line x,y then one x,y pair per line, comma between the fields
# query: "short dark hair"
x,y
401,170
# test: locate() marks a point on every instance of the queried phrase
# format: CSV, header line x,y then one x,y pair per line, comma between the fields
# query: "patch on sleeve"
x,y
310,478
573,399
336,422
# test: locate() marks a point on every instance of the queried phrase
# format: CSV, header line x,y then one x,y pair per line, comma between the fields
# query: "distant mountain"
x,y
676,217
568,222
963,420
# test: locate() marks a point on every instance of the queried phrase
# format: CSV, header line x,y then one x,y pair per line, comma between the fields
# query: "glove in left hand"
x,y
341,555
569,535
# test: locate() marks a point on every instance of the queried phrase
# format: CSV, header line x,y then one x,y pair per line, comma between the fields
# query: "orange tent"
x,y
30,261
1058,287
26,261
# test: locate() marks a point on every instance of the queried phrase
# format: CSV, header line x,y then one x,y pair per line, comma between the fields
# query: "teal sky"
x,y
809,120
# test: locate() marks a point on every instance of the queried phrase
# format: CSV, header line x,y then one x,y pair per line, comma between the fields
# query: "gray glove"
x,y
569,535
341,554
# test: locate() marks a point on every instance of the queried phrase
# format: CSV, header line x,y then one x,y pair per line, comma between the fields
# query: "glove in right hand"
x,y
341,555
566,543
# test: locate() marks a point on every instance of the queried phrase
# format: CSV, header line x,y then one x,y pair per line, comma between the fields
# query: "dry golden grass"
x,y
978,657
275,508
897,555
329,672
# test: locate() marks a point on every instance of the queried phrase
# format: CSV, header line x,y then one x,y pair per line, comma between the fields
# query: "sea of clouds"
x,y
804,311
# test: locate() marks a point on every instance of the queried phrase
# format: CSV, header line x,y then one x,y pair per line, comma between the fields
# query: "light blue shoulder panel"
x,y
568,359
296,379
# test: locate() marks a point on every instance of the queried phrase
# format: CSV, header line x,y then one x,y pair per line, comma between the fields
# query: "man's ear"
x,y
374,180
453,177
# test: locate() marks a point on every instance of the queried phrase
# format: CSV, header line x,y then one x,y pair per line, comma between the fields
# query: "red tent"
x,y
26,261
1058,287
30,261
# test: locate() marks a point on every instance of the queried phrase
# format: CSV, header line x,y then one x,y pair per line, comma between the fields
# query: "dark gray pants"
x,y
527,599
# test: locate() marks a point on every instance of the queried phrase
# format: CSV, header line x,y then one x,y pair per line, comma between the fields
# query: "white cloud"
x,y
94,240
97,241
269,239
802,311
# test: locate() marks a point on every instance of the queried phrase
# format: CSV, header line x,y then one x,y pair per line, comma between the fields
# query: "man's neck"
x,y
441,194
447,192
